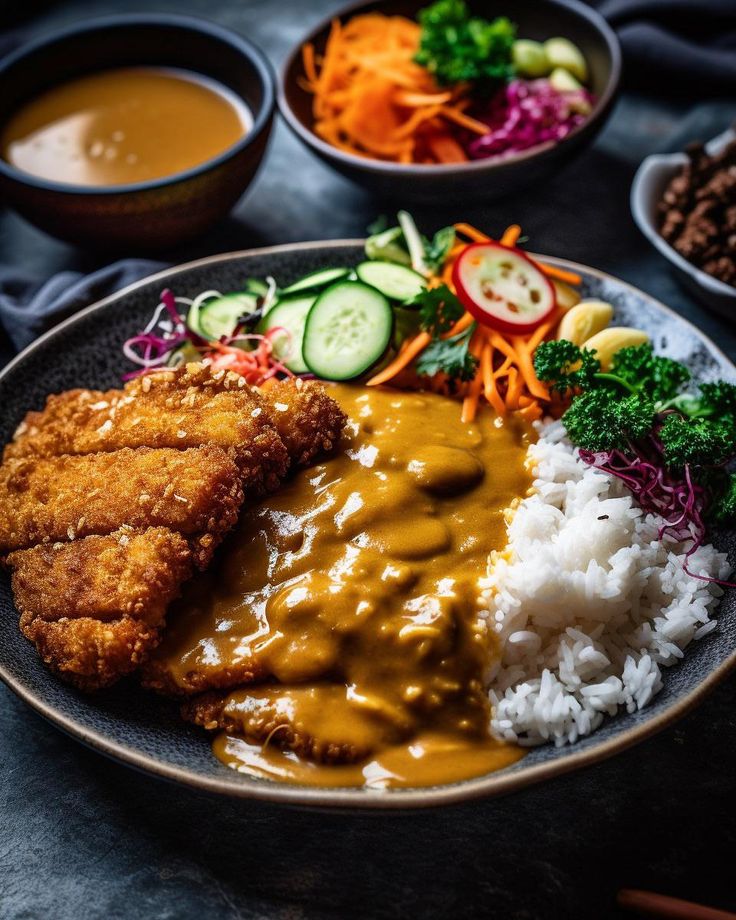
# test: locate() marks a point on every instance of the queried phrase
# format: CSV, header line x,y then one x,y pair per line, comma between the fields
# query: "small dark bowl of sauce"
x,y
134,132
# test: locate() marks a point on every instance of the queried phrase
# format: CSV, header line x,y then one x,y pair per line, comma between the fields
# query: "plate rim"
x,y
488,786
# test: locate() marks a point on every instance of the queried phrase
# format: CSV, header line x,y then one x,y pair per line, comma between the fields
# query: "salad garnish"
x,y
444,89
171,339
478,319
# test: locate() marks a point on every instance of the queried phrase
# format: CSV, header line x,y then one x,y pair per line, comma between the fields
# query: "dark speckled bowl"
x,y
479,179
153,215
145,731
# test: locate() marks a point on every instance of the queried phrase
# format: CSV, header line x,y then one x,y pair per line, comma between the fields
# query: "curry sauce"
x,y
353,594
124,125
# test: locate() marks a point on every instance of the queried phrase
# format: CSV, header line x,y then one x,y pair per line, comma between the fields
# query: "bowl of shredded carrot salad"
x,y
427,99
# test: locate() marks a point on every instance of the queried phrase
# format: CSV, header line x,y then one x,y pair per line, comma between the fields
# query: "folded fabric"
x,y
28,308
676,46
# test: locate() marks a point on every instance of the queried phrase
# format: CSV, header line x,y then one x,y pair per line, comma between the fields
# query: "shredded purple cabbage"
x,y
526,113
681,503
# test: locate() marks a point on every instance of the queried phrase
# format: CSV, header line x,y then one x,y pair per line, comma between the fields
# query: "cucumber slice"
x,y
347,331
316,280
397,282
290,314
219,316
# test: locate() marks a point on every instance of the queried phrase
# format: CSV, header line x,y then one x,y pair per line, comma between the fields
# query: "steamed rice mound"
x,y
587,601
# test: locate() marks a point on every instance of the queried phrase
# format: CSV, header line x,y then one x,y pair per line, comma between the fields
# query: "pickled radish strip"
x,y
503,288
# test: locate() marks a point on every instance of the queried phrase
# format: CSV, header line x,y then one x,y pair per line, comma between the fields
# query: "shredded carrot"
x,y
472,234
542,331
499,342
465,121
511,235
415,347
490,390
310,67
418,99
446,149
470,402
560,274
526,367
460,326
371,99
513,391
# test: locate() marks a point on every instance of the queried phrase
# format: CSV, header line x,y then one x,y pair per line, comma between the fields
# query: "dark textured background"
x,y
81,837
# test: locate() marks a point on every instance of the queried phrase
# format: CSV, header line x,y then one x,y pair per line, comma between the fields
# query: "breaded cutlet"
x,y
166,462
95,607
182,408
157,674
309,422
196,492
260,714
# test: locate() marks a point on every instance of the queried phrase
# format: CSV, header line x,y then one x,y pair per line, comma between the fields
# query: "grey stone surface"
x,y
81,837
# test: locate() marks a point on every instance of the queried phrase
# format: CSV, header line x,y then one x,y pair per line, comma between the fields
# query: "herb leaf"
x,y
696,442
449,356
456,47
439,309
660,377
438,248
600,420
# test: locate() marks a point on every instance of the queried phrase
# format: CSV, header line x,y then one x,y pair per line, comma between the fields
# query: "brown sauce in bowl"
x,y
353,592
124,126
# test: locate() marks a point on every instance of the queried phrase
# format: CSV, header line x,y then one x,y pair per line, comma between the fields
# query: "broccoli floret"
x,y
718,398
724,506
696,442
721,486
599,421
659,377
564,366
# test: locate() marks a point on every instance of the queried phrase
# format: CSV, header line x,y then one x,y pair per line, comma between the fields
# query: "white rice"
x,y
587,602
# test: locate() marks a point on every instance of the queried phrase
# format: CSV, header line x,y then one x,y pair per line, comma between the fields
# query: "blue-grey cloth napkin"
x,y
676,46
28,308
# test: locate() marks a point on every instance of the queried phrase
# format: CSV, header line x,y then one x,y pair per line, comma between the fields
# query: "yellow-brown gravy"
x,y
354,588
123,126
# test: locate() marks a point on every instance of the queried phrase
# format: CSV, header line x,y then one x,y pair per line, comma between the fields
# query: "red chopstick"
x,y
649,904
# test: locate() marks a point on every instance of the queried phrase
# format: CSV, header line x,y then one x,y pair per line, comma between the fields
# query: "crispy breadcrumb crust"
x,y
156,674
265,722
94,608
188,407
309,422
108,500
196,492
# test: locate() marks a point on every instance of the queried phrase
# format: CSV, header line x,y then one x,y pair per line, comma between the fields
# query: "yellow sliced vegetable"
x,y
613,339
567,296
584,320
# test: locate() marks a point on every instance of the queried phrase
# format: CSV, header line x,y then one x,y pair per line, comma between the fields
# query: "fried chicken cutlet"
x,y
188,407
283,713
308,421
196,492
171,454
94,607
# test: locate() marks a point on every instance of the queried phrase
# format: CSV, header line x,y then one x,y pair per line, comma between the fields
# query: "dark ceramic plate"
x,y
145,731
